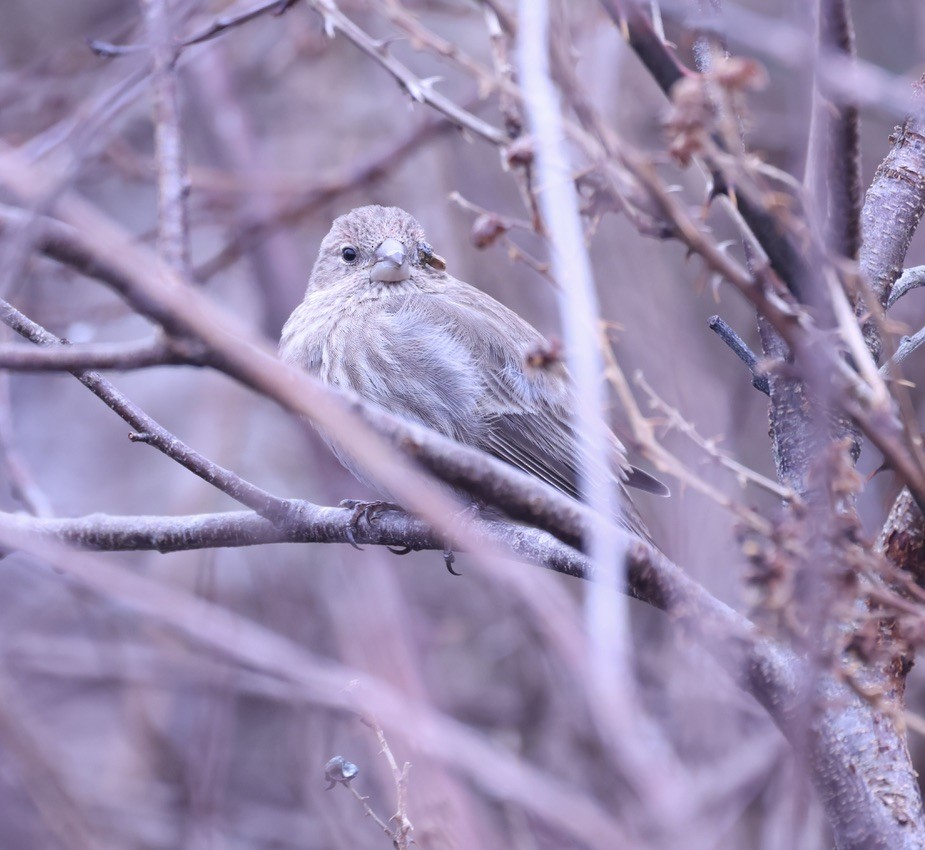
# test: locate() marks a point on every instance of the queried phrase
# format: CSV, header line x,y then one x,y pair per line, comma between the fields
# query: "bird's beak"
x,y
391,263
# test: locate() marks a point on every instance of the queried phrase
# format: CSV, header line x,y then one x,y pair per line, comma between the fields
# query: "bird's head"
x,y
374,246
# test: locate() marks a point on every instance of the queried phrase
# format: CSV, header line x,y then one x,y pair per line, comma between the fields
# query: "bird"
x,y
382,317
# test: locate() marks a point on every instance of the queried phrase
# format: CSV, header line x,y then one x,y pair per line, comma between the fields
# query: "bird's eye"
x,y
349,254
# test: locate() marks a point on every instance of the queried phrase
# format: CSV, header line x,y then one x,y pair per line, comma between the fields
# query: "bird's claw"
x,y
468,513
449,558
364,510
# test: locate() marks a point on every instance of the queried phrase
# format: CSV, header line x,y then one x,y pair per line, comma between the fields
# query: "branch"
x,y
172,184
503,775
907,345
215,28
894,204
836,148
787,259
419,90
722,329
650,448
910,279
118,356
147,430
770,672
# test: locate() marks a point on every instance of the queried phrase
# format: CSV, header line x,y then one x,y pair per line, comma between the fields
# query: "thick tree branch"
x,y
894,204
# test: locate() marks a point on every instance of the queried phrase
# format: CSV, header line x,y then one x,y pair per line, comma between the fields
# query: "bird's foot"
x,y
468,513
368,511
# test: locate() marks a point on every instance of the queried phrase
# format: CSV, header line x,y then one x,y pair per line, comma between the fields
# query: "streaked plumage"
x,y
401,332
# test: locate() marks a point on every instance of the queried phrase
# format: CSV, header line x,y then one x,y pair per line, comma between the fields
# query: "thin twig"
x,y
214,29
910,279
722,329
907,345
401,835
675,420
368,811
648,445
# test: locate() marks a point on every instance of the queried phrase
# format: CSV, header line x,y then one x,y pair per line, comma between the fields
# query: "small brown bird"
x,y
381,317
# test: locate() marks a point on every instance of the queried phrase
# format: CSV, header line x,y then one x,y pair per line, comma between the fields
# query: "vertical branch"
x,y
571,267
892,211
835,151
172,184
658,784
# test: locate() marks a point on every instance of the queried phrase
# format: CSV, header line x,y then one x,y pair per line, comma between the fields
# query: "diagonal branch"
x,y
787,259
147,430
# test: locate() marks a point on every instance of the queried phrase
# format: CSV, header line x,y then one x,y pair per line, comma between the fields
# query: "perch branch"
x,y
118,356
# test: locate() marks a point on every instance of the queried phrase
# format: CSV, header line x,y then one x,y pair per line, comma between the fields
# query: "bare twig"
x,y
650,448
722,329
419,90
401,835
675,420
910,279
368,811
217,27
907,345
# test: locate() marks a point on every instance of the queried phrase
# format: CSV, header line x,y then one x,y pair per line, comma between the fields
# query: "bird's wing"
x,y
523,412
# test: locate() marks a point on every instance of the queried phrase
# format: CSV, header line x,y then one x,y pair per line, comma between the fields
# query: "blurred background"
x,y
160,744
